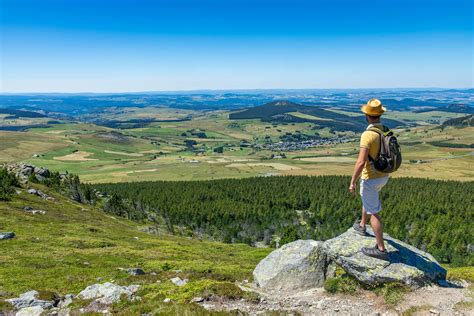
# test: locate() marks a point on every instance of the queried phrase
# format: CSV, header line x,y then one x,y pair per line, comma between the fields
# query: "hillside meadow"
x,y
75,245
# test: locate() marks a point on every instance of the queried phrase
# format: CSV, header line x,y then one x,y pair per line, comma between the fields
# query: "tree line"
x,y
433,215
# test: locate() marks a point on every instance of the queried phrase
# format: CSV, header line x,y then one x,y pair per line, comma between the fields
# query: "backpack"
x,y
389,158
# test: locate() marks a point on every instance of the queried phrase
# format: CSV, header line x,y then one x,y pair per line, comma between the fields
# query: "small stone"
x,y
135,271
178,281
166,300
197,300
434,312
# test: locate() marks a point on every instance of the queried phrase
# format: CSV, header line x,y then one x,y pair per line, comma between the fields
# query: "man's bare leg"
x,y
364,218
377,227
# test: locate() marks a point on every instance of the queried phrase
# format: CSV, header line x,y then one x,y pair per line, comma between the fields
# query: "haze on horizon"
x,y
165,45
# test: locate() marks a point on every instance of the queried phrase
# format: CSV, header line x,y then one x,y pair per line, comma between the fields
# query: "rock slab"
x,y
299,265
7,235
107,293
407,264
29,299
30,311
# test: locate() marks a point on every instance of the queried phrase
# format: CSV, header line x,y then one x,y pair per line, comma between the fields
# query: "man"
x,y
372,181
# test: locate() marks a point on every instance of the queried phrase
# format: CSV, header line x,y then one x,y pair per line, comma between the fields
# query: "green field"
x,y
158,151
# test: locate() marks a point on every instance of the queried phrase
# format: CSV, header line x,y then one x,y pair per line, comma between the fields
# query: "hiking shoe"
x,y
375,252
359,229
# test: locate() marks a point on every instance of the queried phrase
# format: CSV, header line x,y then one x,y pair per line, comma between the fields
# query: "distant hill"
x,y
460,121
13,114
452,108
289,112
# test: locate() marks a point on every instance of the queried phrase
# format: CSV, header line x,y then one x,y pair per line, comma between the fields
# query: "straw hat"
x,y
374,108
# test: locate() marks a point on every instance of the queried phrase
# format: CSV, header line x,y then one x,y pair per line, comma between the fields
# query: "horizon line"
x,y
233,90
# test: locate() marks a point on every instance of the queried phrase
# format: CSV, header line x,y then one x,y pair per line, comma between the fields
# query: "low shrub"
x,y
343,284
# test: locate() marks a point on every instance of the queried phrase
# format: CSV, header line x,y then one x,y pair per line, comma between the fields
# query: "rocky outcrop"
x,y
305,264
299,265
23,171
107,293
406,264
29,299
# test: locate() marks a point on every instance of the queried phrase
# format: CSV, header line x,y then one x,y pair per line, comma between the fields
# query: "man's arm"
x,y
359,165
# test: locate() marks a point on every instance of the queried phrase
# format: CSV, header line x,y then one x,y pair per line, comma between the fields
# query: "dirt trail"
x,y
432,300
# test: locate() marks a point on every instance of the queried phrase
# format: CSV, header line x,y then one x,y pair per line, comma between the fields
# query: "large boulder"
x,y
406,264
299,265
107,293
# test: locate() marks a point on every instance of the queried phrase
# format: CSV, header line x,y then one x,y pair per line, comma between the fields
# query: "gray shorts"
x,y
369,192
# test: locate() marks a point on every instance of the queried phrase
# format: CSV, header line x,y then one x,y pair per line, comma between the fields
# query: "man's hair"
x,y
373,117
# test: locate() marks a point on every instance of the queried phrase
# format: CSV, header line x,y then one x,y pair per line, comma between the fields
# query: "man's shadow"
x,y
423,263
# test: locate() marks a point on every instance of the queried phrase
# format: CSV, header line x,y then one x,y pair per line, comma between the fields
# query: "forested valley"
x,y
433,215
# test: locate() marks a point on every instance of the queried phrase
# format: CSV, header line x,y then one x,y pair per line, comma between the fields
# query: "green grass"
x,y
417,309
460,273
73,246
392,293
342,284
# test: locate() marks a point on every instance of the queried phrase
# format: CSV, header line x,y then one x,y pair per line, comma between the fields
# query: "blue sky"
x,y
125,45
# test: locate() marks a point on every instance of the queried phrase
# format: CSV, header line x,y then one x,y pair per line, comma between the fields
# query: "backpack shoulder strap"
x,y
384,131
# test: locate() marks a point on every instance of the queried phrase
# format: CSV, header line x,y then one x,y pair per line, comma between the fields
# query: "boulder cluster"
x,y
24,171
100,296
305,264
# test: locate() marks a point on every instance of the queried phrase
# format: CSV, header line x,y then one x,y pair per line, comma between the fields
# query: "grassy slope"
x,y
72,246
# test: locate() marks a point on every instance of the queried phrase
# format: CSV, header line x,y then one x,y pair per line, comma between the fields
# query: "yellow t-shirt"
x,y
371,141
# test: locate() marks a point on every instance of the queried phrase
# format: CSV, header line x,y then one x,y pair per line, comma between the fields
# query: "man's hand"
x,y
359,166
352,188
